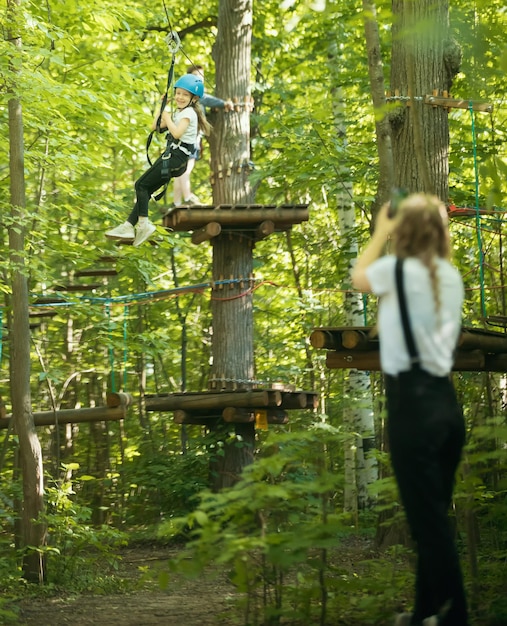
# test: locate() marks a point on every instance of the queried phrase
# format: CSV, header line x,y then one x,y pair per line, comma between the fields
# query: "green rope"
x,y
477,213
110,348
1,331
125,347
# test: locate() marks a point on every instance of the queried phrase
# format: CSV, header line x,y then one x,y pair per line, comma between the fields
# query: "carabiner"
x,y
173,41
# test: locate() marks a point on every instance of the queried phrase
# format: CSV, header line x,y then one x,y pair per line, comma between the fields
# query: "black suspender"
x,y
407,330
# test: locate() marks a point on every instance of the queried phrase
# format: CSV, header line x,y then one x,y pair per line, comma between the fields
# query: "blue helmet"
x,y
192,84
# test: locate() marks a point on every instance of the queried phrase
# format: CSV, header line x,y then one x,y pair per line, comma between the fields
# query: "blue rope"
x,y
143,296
477,213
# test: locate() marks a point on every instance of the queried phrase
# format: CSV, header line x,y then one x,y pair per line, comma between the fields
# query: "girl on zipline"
x,y
182,133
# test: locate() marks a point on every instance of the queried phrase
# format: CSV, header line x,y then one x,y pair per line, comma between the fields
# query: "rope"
x,y
173,42
110,347
477,213
125,347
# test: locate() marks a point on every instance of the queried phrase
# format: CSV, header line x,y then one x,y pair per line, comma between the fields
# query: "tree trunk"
x,y
232,343
424,59
377,85
33,532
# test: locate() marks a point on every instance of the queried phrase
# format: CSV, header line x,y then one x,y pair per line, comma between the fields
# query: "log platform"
x,y
478,350
207,222
239,406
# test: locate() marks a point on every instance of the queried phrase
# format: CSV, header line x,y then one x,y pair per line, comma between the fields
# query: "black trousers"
x,y
426,433
159,174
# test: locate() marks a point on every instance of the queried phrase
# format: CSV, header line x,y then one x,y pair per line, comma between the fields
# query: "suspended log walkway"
x,y
240,406
478,350
115,409
208,222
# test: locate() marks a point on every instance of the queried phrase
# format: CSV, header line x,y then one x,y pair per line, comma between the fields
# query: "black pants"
x,y
427,433
159,174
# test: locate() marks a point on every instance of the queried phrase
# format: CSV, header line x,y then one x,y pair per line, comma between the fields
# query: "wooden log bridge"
x,y
478,350
115,409
238,406
207,222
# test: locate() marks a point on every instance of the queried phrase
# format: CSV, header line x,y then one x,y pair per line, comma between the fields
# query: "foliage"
x,y
90,77
163,485
80,557
278,532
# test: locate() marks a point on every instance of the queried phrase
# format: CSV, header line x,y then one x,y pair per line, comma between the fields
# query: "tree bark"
x,y
377,86
422,52
232,342
33,531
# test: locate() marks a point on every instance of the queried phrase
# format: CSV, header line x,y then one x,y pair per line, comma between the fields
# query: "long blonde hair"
x,y
421,231
202,123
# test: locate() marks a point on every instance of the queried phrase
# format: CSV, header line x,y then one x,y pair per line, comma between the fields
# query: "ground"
x,y
204,602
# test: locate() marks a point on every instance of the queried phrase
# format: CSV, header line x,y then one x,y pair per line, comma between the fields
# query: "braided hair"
x,y
421,232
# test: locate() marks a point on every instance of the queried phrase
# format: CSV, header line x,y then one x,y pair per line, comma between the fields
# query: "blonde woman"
x,y
425,422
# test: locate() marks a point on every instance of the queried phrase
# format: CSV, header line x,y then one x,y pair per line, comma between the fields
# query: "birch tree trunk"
x,y
358,418
232,341
33,532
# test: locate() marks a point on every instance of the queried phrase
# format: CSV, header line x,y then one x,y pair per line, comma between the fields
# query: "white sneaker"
x,y
144,231
431,621
124,231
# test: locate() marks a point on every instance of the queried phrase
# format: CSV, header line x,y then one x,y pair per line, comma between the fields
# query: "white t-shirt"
x,y
190,135
435,336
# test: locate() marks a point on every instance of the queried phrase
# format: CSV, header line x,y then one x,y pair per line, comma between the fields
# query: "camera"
x,y
397,195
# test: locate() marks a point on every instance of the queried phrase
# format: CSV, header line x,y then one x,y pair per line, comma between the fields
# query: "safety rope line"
x,y
125,346
149,295
110,346
1,332
477,213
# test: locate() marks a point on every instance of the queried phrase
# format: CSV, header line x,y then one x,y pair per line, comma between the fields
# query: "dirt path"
x,y
203,602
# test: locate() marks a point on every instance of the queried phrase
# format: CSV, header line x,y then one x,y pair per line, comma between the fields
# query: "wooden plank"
x,y
73,416
358,340
264,229
329,339
96,272
197,218
293,400
206,233
487,341
89,287
43,313
465,361
218,400
244,416
120,398
53,299
456,103
184,417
